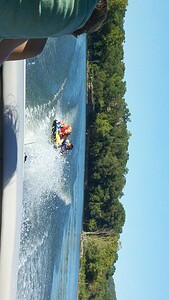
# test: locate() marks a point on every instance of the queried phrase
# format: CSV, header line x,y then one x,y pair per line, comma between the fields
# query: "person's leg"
x,y
15,49
28,49
7,46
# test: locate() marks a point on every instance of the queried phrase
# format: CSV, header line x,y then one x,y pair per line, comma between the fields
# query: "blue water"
x,y
53,184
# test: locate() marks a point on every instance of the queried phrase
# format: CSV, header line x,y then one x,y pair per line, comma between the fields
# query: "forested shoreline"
x,y
107,156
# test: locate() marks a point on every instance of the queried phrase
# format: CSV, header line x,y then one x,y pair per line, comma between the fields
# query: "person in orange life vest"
x,y
63,129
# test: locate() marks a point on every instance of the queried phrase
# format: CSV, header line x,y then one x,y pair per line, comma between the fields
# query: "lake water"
x,y
53,184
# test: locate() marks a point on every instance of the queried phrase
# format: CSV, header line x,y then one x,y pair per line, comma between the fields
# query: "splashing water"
x,y
53,184
46,186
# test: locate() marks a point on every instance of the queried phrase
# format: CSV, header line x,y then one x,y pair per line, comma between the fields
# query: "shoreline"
x,y
90,106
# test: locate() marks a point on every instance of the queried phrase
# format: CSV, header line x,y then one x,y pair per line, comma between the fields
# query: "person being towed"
x,y
26,25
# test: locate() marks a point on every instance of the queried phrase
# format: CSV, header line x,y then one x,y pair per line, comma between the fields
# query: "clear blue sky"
x,y
142,270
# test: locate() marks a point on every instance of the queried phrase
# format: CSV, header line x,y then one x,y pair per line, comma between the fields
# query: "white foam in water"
x,y
46,178
45,167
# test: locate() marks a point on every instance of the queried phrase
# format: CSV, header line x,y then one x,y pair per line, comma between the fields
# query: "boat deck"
x,y
1,145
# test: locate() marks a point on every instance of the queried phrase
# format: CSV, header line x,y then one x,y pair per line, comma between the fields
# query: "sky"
x,y
142,269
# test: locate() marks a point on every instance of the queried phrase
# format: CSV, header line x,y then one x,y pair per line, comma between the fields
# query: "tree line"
x,y
107,154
